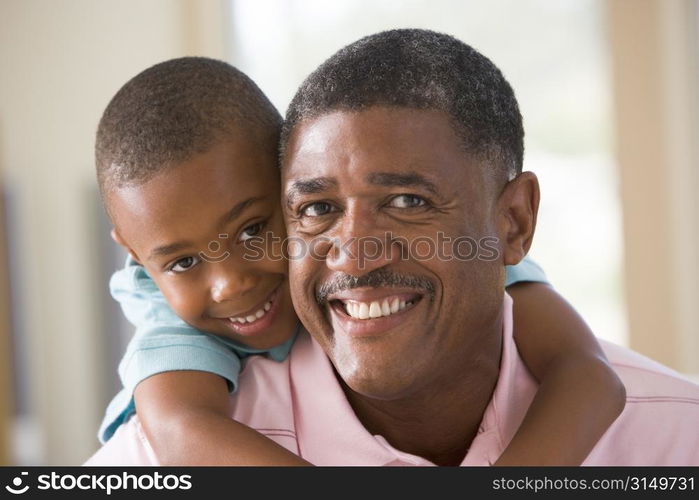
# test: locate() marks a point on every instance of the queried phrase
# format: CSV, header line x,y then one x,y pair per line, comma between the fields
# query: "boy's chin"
x,y
266,339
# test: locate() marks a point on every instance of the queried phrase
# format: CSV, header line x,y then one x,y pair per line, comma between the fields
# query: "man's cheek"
x,y
298,275
302,286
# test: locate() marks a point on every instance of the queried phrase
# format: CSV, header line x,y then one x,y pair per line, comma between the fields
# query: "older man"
x,y
403,136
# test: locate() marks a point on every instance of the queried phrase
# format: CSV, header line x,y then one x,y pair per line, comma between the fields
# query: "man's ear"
x,y
517,207
120,241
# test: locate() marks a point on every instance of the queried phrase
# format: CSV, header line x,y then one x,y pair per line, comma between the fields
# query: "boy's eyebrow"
x,y
309,186
232,214
238,209
408,179
164,250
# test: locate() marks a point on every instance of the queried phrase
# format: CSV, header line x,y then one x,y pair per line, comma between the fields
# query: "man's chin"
x,y
374,380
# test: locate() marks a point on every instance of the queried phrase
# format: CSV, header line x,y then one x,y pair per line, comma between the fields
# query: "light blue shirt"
x,y
163,342
526,271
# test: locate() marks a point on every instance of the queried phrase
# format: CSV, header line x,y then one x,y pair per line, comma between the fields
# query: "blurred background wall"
x,y
60,63
608,90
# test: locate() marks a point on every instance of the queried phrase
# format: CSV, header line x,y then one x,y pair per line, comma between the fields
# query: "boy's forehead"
x,y
196,190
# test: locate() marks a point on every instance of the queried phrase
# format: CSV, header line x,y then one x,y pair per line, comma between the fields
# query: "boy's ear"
x,y
518,206
121,242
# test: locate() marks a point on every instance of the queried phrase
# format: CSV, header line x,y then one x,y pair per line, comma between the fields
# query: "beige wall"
x,y
5,396
60,62
655,62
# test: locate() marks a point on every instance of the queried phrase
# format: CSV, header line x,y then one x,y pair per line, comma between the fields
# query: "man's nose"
x,y
359,245
230,280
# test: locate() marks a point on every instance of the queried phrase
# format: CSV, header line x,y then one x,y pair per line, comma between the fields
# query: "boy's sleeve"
x,y
162,342
526,271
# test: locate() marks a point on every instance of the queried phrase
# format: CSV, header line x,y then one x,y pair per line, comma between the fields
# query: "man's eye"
x,y
251,231
407,201
184,264
316,209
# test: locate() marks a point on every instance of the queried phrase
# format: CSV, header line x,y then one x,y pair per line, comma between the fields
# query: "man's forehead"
x,y
378,146
400,123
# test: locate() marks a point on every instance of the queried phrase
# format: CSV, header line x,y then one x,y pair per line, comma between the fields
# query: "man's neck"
x,y
439,421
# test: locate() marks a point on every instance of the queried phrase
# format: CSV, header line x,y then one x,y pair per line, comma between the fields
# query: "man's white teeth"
x,y
395,305
253,317
375,309
385,308
363,312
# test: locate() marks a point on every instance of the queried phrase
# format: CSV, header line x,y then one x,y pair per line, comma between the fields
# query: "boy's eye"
x,y
316,209
184,264
407,201
251,231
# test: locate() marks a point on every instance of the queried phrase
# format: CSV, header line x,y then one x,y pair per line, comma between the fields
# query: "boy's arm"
x,y
185,415
579,394
179,378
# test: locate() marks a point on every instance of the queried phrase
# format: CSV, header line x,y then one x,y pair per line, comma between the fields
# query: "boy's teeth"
x,y
375,309
253,317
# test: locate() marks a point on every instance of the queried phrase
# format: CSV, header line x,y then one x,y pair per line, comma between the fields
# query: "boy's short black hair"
x,y
173,111
419,69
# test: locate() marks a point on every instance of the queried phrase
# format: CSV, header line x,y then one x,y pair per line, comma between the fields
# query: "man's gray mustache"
x,y
374,279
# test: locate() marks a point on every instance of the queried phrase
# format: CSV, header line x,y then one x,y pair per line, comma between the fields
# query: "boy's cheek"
x,y
277,265
182,301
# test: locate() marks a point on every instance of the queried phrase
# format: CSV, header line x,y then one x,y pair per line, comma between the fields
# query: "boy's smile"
x,y
209,233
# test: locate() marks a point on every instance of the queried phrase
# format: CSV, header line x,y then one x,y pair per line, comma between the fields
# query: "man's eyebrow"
x,y
407,179
309,186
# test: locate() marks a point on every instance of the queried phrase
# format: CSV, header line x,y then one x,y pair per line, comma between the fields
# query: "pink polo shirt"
x,y
300,405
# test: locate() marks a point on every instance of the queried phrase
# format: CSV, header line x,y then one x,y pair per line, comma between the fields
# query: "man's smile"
x,y
371,311
388,318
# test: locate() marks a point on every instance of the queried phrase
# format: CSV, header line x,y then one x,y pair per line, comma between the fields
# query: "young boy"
x,y
186,159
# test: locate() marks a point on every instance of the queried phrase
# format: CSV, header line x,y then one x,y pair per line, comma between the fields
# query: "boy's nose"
x,y
229,284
